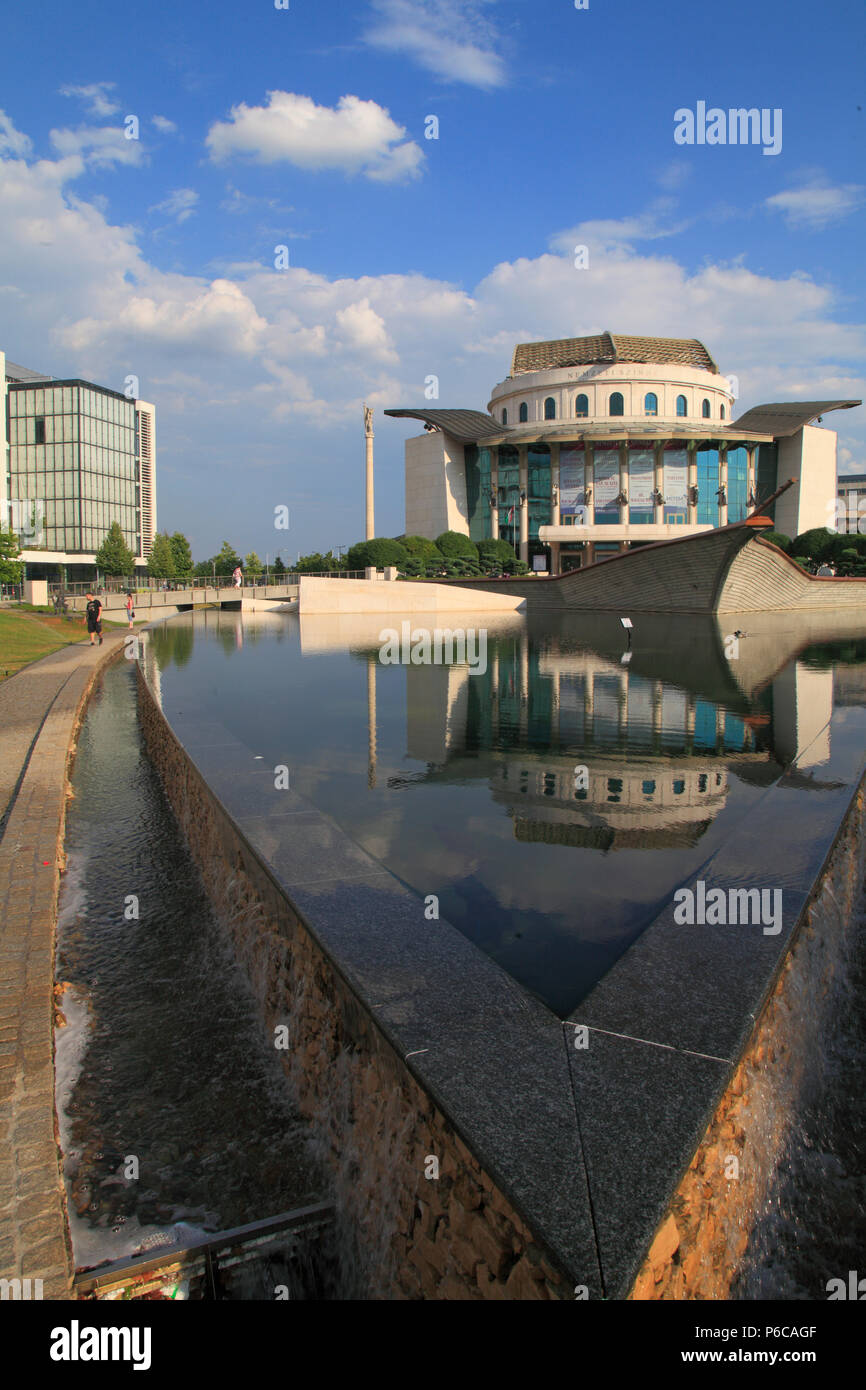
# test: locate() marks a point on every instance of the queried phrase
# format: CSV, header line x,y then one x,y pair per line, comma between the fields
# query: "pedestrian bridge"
x,y
152,603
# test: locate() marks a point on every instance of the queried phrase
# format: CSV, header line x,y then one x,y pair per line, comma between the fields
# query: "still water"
x,y
555,796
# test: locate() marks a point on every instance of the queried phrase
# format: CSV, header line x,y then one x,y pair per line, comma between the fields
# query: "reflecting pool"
x,y
553,795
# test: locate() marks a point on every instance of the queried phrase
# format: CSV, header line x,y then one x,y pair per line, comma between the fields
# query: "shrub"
x,y
452,544
777,538
376,553
817,544
422,547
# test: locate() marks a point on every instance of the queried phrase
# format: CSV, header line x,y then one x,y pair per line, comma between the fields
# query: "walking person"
x,y
93,616
237,576
130,608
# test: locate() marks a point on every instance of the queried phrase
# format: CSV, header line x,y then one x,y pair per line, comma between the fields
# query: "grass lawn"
x,y
26,634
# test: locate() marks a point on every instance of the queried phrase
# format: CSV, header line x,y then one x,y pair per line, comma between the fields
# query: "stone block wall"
x,y
401,1234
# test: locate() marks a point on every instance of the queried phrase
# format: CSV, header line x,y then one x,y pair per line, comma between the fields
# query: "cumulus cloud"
x,y
451,38
164,124
13,141
271,368
98,146
179,205
817,205
95,94
355,136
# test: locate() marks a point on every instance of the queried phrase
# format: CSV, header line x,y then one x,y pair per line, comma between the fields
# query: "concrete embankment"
x,y
39,711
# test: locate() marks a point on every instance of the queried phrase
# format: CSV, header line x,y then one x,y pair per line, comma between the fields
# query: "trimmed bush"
x,y
818,544
777,538
377,553
421,547
451,544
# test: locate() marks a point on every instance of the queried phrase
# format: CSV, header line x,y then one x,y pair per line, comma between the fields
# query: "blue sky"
x,y
411,256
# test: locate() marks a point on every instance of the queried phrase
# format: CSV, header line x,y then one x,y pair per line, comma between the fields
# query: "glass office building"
x,y
79,456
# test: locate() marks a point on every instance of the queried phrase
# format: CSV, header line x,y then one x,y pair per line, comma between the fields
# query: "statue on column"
x,y
368,421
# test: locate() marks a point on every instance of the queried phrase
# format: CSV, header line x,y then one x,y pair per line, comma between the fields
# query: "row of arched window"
x,y
615,406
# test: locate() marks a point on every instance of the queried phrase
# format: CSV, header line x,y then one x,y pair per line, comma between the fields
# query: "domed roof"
x,y
607,348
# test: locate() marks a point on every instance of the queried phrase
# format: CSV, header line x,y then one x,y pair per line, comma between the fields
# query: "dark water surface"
x,y
165,1058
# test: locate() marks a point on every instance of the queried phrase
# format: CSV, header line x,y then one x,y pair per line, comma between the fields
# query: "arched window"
x,y
650,403
505,417
581,405
705,410
524,413
616,405
550,409
682,406
723,412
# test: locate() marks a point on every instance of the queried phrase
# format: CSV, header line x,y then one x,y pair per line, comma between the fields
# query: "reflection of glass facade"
x,y
73,445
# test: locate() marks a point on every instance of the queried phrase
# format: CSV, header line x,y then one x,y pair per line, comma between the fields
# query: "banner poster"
x,y
571,463
640,478
606,472
676,477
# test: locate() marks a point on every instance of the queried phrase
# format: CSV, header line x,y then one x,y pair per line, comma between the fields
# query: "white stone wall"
x,y
435,486
809,457
632,379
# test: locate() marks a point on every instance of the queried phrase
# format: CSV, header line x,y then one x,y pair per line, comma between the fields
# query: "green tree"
x,y
278,567
496,555
375,553
160,561
452,545
227,560
181,556
114,556
11,568
252,567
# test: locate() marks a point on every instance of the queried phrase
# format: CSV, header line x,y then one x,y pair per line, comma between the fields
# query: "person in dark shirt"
x,y
93,614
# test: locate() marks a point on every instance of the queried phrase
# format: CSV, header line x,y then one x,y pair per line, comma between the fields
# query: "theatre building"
x,y
592,445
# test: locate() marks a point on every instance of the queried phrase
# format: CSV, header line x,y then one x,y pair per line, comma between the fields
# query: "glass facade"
x,y
73,445
478,491
738,484
539,488
708,486
508,495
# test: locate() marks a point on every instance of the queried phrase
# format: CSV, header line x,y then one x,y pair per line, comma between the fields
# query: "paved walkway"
x,y
39,710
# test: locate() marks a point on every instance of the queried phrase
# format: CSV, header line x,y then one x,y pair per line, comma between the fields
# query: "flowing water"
x,y
175,1117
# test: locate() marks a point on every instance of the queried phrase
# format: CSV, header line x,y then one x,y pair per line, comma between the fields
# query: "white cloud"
x,y
305,350
96,95
180,204
356,136
13,141
164,124
450,38
98,146
817,205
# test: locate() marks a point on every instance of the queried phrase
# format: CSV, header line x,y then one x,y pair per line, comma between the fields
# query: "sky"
x,y
428,168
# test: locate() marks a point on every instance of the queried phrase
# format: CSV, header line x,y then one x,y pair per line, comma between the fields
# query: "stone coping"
x,y
48,699
589,1142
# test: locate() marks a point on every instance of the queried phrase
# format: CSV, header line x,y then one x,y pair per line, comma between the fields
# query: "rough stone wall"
x,y
698,1247
762,577
400,1234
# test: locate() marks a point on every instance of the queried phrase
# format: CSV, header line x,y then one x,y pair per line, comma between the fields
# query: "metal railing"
x,y
148,585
